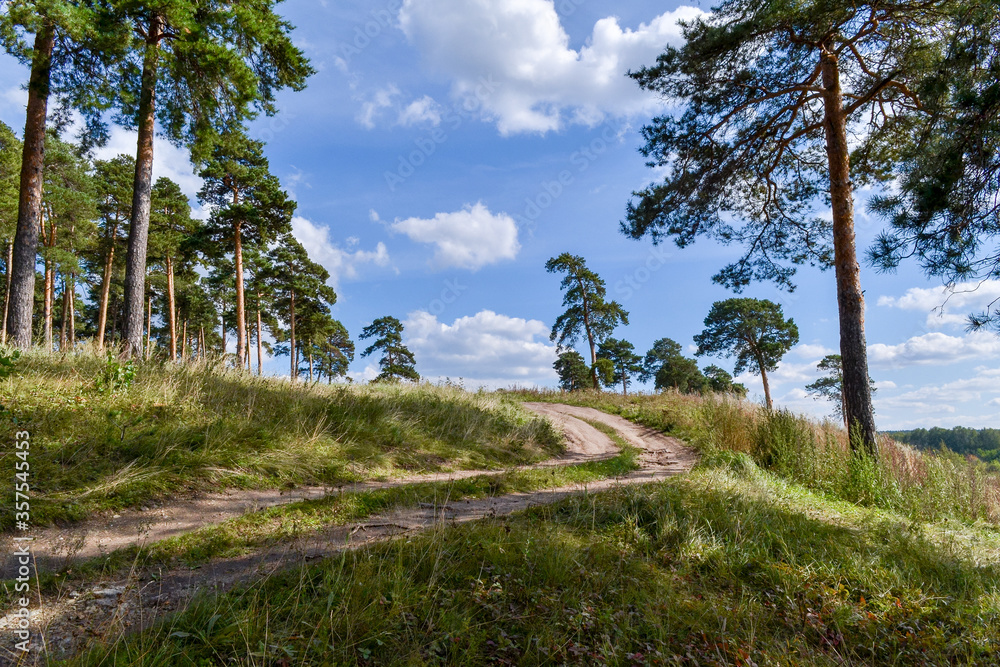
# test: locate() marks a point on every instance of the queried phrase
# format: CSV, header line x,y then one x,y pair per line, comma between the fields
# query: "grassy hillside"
x,y
729,566
918,484
101,440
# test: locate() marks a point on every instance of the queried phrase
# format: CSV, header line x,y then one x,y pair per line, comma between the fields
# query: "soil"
x,y
67,622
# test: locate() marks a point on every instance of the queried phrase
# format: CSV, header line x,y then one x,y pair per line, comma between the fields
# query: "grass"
x,y
279,525
922,485
729,566
182,429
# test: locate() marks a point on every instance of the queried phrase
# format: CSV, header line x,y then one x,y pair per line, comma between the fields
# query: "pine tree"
x,y
249,208
199,68
397,362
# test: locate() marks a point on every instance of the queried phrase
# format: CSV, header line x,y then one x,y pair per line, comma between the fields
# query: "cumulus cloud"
x,y
424,110
514,58
486,347
922,404
934,349
812,351
379,100
339,262
946,306
468,239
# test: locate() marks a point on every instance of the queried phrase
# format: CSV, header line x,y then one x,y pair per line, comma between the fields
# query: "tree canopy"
x,y
769,92
397,362
754,331
587,313
627,364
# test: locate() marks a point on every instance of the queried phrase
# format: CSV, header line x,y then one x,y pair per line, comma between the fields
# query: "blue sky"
x,y
445,150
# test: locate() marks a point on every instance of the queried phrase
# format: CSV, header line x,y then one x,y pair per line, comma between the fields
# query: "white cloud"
x,y
934,349
514,58
466,239
339,262
946,306
485,346
381,99
812,351
985,383
424,110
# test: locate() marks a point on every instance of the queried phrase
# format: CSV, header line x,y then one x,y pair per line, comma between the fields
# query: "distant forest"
x,y
984,443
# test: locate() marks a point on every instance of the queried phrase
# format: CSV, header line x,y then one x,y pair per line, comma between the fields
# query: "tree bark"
x,y
859,412
64,319
260,348
310,364
29,205
72,311
47,305
149,329
241,317
138,233
171,307
184,342
590,336
102,313
6,298
293,352
767,389
201,342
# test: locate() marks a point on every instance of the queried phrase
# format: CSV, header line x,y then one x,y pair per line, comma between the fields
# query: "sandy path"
x,y
56,548
120,606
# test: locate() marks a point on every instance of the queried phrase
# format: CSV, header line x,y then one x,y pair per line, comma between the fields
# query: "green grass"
x,y
729,566
278,525
183,429
924,486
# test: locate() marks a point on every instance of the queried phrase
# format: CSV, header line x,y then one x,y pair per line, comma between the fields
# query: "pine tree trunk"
x,y
201,341
138,233
64,318
767,389
102,313
72,311
149,329
241,317
47,306
171,305
260,348
310,364
29,208
860,413
293,352
222,316
184,342
590,337
6,298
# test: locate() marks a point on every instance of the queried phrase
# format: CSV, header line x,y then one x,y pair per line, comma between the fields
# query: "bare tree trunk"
x,y
64,320
72,311
149,328
310,364
102,312
47,306
170,307
225,343
138,234
29,206
241,316
293,352
184,342
859,412
767,389
260,347
201,341
6,298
